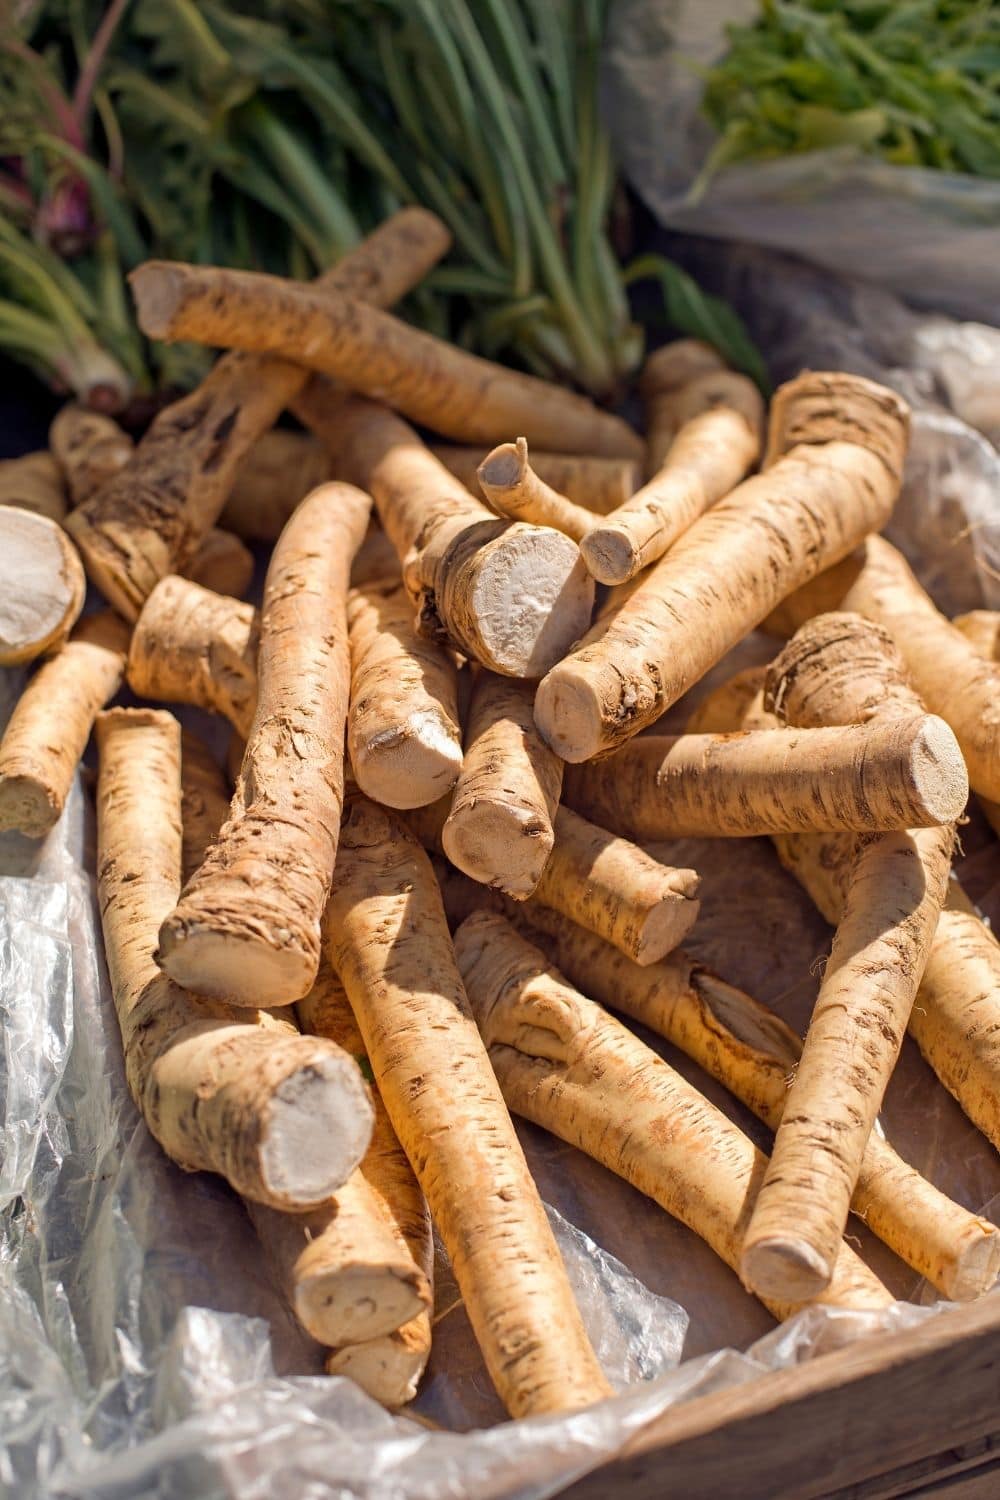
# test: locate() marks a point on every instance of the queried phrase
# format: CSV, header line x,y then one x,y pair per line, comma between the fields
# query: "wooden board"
x,y
914,1413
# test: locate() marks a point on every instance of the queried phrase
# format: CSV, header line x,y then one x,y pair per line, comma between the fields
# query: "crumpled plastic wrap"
x,y
143,1347
933,237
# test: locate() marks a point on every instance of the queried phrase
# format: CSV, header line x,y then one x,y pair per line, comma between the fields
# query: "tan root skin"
x,y
513,489
204,801
404,739
192,645
666,371
596,484
568,1066
285,1119
51,723
981,627
947,670
709,432
247,926
434,383
730,569
876,963
281,467
614,888
148,520
750,1050
899,774
387,1365
34,483
513,597
90,449
388,939
42,585
222,564
499,829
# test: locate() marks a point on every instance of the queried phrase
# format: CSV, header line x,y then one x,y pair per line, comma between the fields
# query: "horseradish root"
x,y
893,889
89,447
500,827
41,585
404,739
614,888
982,628
840,665
729,570
247,926
432,382
385,1365
51,723
204,801
34,483
717,419
666,372
598,484
513,597
222,563
568,1066
191,645
388,939
945,667
902,773
513,489
147,521
285,1119
279,469
750,1050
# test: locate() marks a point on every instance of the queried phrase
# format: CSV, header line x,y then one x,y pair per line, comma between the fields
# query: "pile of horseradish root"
x,y
335,986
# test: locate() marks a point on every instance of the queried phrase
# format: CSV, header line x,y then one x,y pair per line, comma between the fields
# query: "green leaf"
x,y
695,313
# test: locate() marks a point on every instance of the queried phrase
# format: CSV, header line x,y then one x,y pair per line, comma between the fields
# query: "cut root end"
x,y
784,1270
318,1128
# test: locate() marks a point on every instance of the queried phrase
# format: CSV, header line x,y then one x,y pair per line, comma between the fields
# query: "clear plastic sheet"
x,y
933,237
143,1348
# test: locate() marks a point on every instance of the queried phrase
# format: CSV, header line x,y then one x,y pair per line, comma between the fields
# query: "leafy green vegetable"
x,y
276,133
914,81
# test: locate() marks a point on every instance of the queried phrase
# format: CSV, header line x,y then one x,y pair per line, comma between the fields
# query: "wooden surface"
x,y
915,1413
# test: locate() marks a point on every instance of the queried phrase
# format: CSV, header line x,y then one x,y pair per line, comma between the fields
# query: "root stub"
x,y
41,585
209,961
788,1269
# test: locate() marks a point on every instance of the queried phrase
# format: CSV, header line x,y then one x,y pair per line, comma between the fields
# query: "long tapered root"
x,y
708,431
388,940
247,926
902,774
42,585
500,826
148,520
51,723
192,645
457,394
750,1050
730,569
285,1119
513,489
596,484
403,735
571,1068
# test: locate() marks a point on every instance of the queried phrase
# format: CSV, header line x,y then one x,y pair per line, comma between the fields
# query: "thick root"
x,y
42,585
279,469
50,726
904,773
191,645
90,449
568,1066
729,570
456,394
285,1119
404,739
148,520
500,827
247,926
222,564
389,942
